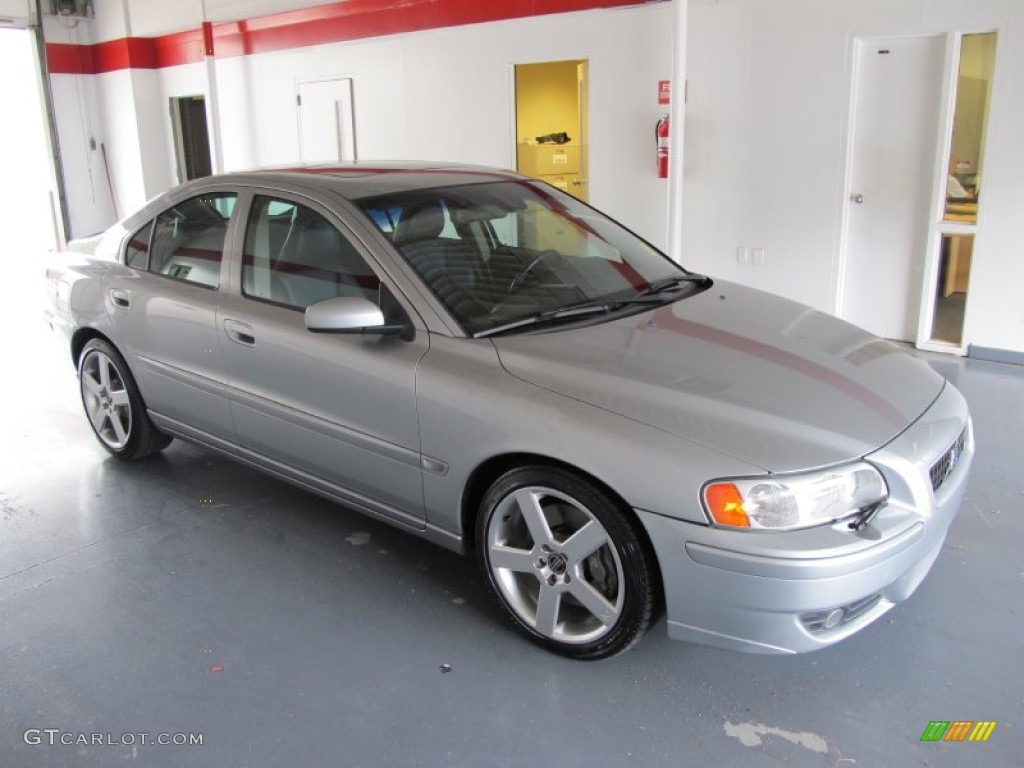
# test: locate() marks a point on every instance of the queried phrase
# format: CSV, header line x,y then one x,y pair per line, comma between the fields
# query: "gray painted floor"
x,y
187,594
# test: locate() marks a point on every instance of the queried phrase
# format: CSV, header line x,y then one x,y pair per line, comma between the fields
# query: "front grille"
x,y
815,622
944,467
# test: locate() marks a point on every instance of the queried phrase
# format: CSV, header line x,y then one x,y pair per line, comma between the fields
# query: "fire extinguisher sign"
x,y
664,91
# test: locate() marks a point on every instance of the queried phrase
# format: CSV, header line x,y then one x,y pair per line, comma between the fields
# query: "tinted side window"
x,y
294,256
188,239
136,253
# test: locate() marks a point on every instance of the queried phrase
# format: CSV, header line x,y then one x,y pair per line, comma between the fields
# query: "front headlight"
x,y
786,502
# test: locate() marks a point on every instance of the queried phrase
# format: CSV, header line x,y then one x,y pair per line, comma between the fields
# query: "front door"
x,y
337,412
896,126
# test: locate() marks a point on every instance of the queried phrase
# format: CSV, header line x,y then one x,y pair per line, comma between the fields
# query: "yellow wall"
x,y
547,100
977,63
977,57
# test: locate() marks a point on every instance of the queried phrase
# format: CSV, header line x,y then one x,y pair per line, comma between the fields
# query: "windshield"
x,y
497,253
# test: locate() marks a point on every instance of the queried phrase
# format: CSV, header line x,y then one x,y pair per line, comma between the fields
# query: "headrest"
x,y
423,223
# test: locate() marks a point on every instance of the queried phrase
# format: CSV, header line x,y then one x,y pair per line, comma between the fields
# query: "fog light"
x,y
834,617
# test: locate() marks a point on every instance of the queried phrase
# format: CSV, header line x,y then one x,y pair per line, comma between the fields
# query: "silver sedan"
x,y
480,359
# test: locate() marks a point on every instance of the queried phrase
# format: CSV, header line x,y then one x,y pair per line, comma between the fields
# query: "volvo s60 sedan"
x,y
485,361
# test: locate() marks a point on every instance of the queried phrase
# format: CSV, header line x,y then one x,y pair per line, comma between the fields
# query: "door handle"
x,y
119,298
240,333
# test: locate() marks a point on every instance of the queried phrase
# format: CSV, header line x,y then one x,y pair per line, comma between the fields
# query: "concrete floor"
x,y
187,594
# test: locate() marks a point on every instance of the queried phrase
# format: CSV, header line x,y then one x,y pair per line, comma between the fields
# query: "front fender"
x,y
471,410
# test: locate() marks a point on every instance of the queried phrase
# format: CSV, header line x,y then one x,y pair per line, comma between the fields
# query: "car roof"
x,y
361,180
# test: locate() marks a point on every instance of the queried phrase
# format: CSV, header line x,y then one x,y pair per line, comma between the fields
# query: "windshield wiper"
x,y
549,315
647,296
672,282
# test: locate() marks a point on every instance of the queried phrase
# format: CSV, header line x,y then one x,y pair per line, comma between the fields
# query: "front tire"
x,y
114,405
569,564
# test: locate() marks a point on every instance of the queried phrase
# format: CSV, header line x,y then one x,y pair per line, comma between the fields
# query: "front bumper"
x,y
797,591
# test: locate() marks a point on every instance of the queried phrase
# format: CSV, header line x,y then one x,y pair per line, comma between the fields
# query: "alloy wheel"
x,y
555,565
107,401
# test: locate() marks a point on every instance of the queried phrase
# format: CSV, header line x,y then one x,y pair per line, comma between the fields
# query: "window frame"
x,y
331,218
151,223
151,219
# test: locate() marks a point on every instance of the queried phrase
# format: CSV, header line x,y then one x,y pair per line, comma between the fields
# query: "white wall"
x,y
152,114
446,94
78,112
111,19
136,130
121,138
15,10
150,18
80,133
766,143
120,114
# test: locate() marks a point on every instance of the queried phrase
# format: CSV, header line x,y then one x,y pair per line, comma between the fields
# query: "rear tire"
x,y
570,565
114,405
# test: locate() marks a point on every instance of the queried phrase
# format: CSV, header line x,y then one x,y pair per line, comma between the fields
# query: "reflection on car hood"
x,y
763,379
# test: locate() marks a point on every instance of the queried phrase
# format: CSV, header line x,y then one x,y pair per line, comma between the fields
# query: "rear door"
x,y
337,412
163,306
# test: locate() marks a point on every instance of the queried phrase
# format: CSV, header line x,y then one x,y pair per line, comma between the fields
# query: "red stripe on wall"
x,y
337,22
179,48
124,53
66,59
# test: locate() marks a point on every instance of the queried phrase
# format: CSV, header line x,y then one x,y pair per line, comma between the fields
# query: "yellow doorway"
x,y
552,124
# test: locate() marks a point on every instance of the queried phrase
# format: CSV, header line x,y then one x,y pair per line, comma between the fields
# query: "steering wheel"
x,y
536,260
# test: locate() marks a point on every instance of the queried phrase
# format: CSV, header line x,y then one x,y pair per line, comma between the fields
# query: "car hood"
x,y
771,382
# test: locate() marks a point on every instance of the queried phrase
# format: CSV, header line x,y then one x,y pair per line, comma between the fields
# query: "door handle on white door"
x,y
856,198
240,333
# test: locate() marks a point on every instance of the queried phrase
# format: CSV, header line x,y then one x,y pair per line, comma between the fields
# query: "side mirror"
x,y
348,314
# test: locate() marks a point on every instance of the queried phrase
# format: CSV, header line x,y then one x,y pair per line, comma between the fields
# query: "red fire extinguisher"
x,y
661,134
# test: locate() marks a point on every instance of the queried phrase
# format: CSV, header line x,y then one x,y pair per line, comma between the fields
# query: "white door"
x,y
326,121
896,126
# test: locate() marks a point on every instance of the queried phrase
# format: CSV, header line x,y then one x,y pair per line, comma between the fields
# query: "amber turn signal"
x,y
725,503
